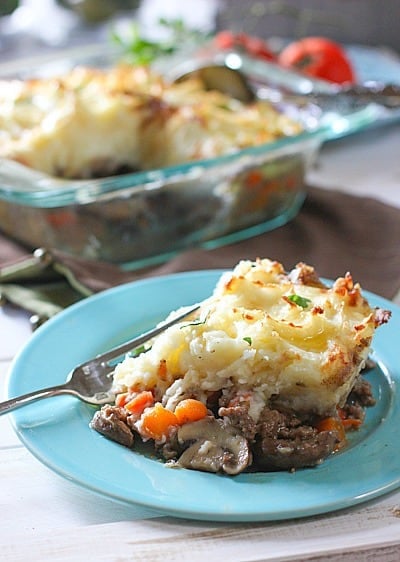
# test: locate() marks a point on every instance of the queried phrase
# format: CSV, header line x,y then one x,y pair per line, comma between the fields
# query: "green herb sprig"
x,y
300,301
139,350
139,50
196,322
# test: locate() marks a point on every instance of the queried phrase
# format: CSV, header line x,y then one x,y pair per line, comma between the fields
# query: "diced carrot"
x,y
135,388
162,370
190,410
351,423
254,177
158,421
333,424
140,402
121,399
330,424
62,218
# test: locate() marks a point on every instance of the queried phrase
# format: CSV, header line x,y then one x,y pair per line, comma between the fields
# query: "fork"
x,y
248,79
91,381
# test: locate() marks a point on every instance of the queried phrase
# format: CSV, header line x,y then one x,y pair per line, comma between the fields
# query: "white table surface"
x,y
45,517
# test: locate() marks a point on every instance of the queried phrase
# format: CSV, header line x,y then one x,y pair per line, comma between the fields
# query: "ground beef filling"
x,y
281,441
111,421
276,441
359,398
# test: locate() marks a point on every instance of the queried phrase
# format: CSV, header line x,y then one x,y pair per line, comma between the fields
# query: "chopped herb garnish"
x,y
138,350
248,340
300,301
195,322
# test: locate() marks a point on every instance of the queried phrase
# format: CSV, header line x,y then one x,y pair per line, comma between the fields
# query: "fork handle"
x,y
14,403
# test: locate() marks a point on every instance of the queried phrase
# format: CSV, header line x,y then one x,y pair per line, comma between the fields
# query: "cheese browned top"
x,y
285,338
90,122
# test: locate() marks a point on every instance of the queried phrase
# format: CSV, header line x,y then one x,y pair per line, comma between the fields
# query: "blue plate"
x,y
57,430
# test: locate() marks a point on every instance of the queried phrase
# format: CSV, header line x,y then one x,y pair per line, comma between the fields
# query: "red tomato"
x,y
253,46
318,57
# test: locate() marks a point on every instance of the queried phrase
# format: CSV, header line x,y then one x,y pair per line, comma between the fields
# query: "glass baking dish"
x,y
141,218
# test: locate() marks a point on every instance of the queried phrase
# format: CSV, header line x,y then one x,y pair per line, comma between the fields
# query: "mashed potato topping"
x,y
90,122
281,338
266,375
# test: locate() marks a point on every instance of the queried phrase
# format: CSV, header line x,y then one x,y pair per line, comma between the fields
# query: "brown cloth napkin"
x,y
334,231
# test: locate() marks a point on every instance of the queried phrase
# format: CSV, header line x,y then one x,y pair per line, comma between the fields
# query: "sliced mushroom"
x,y
213,446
